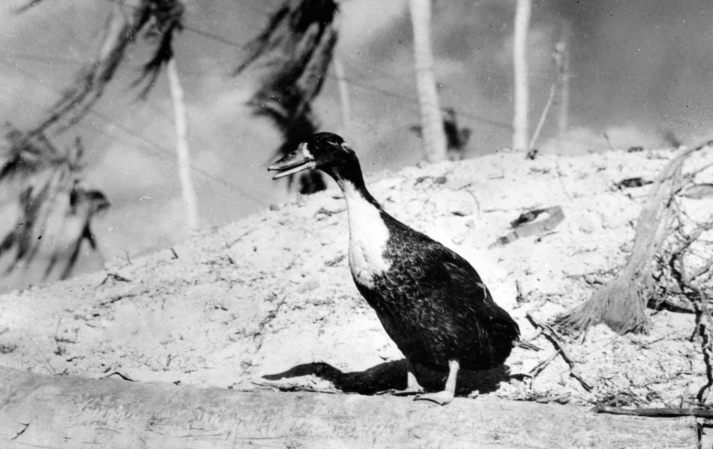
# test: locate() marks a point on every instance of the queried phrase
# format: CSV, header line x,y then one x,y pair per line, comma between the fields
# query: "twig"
x,y
556,341
534,372
117,373
543,116
606,136
649,343
562,398
704,329
116,298
293,387
41,353
115,277
240,237
655,412
21,431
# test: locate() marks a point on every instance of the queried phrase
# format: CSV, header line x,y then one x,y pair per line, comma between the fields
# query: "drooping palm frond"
x,y
167,18
48,211
288,28
157,20
297,47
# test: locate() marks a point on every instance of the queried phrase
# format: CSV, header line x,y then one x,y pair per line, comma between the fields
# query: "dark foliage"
x,y
165,18
296,47
158,20
52,202
456,137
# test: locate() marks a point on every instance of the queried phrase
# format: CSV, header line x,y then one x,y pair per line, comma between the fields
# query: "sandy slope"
x,y
274,290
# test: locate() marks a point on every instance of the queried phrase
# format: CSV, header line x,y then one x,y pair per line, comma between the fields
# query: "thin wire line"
x,y
410,99
143,142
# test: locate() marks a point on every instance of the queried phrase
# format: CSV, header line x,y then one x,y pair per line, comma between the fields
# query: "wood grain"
x,y
74,412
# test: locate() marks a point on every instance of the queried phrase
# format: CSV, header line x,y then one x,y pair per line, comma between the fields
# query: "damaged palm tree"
x,y
46,210
621,304
296,48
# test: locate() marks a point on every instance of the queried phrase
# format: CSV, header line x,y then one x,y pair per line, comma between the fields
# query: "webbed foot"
x,y
412,390
440,398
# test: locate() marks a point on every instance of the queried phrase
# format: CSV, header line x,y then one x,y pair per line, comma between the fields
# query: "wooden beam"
x,y
74,412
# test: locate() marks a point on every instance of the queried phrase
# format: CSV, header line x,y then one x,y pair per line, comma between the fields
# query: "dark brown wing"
x,y
435,296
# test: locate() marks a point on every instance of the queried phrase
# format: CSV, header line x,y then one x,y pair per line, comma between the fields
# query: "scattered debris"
x,y
621,303
556,340
525,225
698,191
632,182
114,277
123,376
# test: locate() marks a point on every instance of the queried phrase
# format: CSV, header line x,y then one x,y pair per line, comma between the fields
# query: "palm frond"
x,y
30,4
296,47
288,26
167,18
156,19
53,206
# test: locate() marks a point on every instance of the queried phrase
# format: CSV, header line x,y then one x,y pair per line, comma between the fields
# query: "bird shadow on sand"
x,y
392,375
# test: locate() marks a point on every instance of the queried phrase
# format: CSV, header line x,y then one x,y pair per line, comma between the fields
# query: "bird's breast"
x,y
368,238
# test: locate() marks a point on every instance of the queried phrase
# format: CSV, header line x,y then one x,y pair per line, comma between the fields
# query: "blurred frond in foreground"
x,y
296,48
46,211
157,20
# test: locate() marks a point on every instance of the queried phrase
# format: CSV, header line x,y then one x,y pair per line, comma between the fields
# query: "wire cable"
x,y
143,142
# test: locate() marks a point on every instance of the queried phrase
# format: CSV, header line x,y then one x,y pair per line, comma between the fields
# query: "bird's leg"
x,y
412,386
445,396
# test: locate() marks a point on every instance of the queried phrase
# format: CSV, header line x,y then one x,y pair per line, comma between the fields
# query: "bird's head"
x,y
325,151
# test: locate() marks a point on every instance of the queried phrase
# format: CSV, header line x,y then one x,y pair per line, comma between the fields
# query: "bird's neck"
x,y
368,232
351,180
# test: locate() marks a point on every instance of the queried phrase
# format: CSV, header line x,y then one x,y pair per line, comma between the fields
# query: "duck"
x,y
431,302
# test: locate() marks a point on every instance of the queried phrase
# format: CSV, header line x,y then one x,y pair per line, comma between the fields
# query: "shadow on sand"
x,y
392,375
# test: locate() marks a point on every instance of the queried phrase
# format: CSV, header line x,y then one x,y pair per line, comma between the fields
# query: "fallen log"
x,y
74,412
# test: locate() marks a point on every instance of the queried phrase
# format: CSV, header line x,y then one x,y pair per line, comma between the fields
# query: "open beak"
x,y
292,163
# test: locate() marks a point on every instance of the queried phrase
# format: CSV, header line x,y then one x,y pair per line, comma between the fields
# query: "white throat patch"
x,y
305,151
368,236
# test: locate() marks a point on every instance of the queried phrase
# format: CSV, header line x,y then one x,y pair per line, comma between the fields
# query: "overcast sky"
x,y
640,68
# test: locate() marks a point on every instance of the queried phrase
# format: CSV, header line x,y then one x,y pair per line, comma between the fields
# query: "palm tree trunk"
x,y
563,116
190,201
343,97
434,138
521,100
